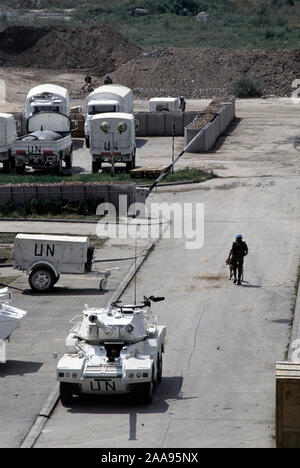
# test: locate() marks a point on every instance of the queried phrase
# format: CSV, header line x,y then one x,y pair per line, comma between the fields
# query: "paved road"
x,y
223,340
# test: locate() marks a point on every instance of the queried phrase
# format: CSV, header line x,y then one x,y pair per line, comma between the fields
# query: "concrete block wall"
x,y
206,137
110,193
161,123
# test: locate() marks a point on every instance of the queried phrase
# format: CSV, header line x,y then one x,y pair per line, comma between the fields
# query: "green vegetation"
x,y
246,87
181,175
233,24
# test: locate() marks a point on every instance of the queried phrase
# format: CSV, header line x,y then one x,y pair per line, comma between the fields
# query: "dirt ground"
x,y
65,54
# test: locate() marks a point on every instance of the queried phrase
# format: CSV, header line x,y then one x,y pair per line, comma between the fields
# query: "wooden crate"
x,y
147,172
79,132
287,404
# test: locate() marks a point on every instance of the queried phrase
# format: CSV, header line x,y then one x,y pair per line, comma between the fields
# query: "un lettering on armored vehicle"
x,y
116,350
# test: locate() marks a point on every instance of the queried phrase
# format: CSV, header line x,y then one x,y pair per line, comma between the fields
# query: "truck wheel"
x,y
66,393
41,279
129,167
69,159
95,167
59,167
20,169
6,166
87,142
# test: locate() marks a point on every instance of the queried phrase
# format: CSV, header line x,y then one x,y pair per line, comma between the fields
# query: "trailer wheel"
x,y
41,279
103,283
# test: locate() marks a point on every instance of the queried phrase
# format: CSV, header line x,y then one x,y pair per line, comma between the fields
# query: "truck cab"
x,y
113,140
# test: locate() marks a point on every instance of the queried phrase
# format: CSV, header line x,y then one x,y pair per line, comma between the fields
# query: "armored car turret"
x,y
113,350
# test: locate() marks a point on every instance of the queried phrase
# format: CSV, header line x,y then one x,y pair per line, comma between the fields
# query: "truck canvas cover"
x,y
68,254
52,121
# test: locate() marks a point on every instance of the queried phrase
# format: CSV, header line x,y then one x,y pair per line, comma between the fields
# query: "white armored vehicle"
x,y
116,350
10,318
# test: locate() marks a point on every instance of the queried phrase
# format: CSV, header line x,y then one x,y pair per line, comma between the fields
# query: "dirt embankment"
x,y
101,50
192,72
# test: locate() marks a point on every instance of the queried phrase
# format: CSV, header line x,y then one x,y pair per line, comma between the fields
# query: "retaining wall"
x,y
207,136
161,123
75,192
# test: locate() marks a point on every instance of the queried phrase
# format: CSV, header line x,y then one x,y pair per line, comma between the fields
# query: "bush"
x,y
246,87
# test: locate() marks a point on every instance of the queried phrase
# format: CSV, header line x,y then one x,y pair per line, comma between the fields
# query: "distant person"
x,y
236,257
87,83
182,104
108,80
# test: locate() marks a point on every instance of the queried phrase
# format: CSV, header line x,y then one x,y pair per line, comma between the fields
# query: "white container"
x,y
164,104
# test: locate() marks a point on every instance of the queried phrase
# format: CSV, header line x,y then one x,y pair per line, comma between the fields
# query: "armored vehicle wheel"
x,y
41,279
144,392
66,393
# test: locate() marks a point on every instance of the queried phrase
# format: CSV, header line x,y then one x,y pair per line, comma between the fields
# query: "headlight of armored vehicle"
x,y
105,127
129,329
122,127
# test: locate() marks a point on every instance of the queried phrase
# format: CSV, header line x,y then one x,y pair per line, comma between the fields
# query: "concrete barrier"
x,y
208,135
78,193
161,123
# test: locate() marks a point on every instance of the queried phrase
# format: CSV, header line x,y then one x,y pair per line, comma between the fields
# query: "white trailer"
x,y
47,98
8,133
106,99
164,104
47,144
44,258
113,140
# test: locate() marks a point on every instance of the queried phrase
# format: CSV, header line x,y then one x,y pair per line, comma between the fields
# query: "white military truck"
x,y
47,144
164,104
113,140
116,350
44,258
47,98
8,133
10,319
106,99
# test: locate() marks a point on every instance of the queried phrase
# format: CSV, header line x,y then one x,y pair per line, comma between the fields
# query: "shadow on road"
x,y
19,367
68,292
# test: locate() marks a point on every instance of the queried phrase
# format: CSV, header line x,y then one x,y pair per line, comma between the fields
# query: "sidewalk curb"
x,y
45,413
